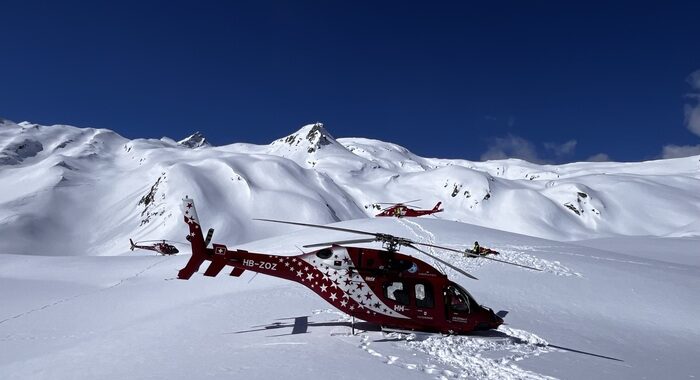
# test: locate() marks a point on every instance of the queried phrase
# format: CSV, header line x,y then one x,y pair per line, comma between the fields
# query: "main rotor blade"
x,y
475,255
160,241
341,242
396,203
443,262
378,236
319,226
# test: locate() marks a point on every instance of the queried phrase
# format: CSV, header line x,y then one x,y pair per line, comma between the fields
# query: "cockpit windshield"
x,y
458,298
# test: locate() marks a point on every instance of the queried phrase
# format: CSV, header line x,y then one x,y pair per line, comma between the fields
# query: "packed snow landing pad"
x,y
126,316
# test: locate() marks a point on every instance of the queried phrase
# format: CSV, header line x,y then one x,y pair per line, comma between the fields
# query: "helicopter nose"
x,y
497,320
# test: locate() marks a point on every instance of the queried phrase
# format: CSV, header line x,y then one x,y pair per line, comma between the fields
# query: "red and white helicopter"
x,y
159,246
380,286
400,210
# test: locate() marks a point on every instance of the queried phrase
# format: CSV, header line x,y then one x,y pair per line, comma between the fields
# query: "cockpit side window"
x,y
424,295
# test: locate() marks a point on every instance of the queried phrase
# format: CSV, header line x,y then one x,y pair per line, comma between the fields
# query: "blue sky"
x,y
545,81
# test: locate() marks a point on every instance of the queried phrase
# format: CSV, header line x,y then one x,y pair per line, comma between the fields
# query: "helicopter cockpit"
x,y
458,299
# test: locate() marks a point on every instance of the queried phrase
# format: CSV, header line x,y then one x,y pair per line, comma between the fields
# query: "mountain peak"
x,y
312,137
195,140
5,122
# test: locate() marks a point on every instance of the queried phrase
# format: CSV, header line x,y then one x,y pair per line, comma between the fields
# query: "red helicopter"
x,y
380,286
400,210
160,246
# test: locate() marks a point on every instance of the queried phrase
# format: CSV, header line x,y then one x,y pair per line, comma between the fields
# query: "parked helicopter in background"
x,y
380,286
159,246
400,210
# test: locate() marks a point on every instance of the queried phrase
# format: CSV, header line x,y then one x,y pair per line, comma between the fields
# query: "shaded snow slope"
x,y
85,191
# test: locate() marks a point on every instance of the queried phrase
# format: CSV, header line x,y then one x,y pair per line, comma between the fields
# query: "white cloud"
x,y
677,151
600,157
692,118
511,147
694,79
561,150
692,109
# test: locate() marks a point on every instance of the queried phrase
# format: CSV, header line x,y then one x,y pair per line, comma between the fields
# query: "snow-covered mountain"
x,y
72,188
618,245
195,140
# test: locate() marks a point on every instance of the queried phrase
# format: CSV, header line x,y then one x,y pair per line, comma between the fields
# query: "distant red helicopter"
x,y
160,246
400,210
380,286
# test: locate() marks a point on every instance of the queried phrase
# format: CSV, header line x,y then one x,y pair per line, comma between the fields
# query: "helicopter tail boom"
x,y
195,238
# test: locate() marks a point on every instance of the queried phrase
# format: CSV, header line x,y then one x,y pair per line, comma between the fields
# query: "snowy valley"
x,y
618,245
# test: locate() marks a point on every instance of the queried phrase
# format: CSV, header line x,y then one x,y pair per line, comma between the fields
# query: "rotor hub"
x,y
392,243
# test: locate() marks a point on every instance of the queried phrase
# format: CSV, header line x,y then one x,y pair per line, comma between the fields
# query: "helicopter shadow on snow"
x,y
301,325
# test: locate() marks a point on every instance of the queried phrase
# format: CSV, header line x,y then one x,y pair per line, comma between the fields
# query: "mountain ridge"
x,y
64,181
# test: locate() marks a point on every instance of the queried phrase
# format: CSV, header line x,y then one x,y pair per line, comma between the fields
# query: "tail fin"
x,y
132,244
195,238
437,207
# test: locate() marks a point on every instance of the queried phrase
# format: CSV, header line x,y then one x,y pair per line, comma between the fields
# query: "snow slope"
x,y
125,316
73,188
617,243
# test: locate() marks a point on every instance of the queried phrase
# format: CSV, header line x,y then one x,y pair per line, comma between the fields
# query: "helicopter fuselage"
x,y
401,211
386,288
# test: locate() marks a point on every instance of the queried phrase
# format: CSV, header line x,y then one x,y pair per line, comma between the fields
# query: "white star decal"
x,y
309,276
343,303
299,273
323,288
333,297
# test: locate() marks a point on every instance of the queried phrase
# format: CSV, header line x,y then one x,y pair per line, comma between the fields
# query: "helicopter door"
x,y
457,304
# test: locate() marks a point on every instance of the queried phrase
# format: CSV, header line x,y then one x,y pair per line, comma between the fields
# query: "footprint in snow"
x,y
463,356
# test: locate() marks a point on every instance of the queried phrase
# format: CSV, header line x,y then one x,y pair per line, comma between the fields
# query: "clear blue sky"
x,y
444,79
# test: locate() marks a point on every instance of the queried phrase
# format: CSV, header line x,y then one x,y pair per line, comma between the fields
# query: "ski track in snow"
x,y
563,251
508,253
67,299
514,255
425,236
